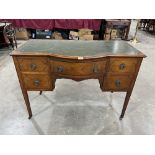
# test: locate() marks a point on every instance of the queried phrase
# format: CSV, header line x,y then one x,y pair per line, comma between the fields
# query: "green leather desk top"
x,y
78,48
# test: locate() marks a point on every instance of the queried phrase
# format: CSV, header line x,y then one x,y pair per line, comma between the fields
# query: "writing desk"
x,y
40,62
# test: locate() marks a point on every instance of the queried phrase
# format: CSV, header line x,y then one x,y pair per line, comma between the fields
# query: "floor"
x,y
81,111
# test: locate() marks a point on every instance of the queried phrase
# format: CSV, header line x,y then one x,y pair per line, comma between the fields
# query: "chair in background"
x,y
8,36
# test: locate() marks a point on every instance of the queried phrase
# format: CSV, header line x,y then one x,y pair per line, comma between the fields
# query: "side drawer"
x,y
123,65
79,69
37,81
33,64
117,82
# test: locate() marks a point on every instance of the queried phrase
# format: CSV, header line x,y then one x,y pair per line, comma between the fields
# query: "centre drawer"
x,y
79,69
37,81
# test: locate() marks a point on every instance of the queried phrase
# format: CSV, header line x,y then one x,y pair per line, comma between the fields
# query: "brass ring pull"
x,y
117,83
36,82
121,66
33,67
60,69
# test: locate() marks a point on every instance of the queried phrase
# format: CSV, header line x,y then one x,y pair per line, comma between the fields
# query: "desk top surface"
x,y
77,48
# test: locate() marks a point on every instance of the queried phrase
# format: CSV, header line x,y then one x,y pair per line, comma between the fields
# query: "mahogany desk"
x,y
40,62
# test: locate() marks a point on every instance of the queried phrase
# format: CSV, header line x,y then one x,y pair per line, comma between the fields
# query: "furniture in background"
x,y
116,28
143,23
38,28
39,63
147,25
3,39
7,35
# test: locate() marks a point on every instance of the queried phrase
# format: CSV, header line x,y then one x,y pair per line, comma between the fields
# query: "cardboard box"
x,y
57,36
84,32
119,33
86,37
73,35
107,37
114,32
96,37
108,30
22,34
113,37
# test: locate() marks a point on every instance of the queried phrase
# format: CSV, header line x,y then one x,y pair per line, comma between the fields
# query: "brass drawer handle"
x,y
117,83
33,66
36,82
60,69
121,66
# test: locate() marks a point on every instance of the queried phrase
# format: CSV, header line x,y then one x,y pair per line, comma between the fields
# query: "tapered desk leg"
x,y
40,92
24,91
128,94
27,102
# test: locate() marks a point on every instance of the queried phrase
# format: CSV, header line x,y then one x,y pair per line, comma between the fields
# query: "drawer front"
x,y
36,81
79,69
123,65
33,64
117,82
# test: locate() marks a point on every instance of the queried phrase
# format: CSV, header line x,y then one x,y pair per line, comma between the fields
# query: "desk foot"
x,y
121,117
128,94
30,117
27,102
40,92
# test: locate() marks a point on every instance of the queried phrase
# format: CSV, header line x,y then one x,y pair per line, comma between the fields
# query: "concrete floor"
x,y
79,108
